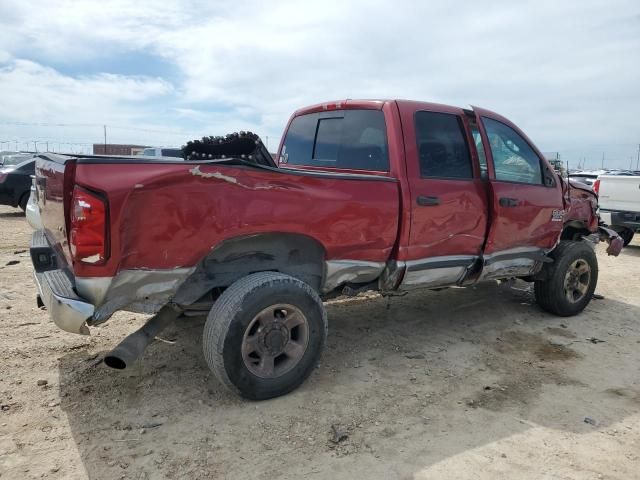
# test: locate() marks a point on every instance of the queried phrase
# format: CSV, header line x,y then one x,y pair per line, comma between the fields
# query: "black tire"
x,y
627,235
24,199
232,315
551,293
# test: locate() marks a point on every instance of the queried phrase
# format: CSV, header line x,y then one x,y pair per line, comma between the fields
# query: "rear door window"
x,y
442,146
350,139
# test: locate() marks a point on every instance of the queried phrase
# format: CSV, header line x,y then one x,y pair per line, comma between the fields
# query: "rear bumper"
x,y
68,311
74,303
56,288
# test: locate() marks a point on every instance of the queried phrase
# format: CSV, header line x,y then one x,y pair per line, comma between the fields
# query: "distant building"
x,y
117,149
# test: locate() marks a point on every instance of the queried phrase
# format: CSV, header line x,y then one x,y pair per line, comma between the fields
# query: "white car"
x,y
619,203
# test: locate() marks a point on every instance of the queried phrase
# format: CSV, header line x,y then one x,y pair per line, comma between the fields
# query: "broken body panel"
x,y
178,230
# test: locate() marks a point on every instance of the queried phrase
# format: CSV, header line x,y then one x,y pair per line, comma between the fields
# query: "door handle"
x,y
508,202
428,201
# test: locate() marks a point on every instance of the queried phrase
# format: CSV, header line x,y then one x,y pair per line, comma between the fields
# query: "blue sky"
x,y
163,72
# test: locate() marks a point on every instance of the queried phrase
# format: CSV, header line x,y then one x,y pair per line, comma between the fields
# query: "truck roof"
x,y
377,104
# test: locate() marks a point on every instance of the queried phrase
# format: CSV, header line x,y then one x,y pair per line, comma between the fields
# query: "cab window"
x,y
513,159
442,147
349,139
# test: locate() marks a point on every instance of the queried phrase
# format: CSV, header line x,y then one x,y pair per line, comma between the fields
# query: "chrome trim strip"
x,y
150,289
447,261
514,262
432,277
338,272
93,289
532,253
436,272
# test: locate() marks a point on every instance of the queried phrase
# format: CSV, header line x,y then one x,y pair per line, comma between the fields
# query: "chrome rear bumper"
x,y
68,311
56,290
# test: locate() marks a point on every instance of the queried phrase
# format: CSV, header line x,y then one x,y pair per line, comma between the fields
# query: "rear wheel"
x,y
264,335
569,281
626,234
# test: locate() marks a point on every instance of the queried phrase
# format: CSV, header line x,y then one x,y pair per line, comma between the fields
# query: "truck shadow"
x,y
632,249
14,214
412,381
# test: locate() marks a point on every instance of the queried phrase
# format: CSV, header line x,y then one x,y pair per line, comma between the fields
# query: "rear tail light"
x,y
88,233
596,186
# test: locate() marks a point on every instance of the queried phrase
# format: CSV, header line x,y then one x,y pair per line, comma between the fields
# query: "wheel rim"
x,y
275,341
577,280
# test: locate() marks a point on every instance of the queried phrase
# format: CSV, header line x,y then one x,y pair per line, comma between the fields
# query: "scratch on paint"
x,y
226,178
198,173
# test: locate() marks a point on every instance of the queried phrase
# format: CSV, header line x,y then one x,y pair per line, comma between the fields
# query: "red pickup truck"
x,y
365,195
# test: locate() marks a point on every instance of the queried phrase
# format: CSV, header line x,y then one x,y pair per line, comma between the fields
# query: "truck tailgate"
x,y
54,185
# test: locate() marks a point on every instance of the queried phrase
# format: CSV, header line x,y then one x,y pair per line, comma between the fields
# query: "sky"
x,y
164,72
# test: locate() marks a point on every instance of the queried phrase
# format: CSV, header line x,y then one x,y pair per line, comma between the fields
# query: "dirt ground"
x,y
463,383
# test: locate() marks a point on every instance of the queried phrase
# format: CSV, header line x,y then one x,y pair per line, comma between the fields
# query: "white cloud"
x,y
566,72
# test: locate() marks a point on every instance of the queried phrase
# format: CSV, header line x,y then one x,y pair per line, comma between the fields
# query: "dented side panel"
x,y
178,212
581,206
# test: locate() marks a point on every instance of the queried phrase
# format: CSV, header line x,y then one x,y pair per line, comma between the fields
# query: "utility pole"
x,y
105,139
638,161
35,146
47,146
602,160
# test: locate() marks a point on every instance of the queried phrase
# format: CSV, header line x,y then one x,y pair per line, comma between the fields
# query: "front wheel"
x,y
569,281
264,335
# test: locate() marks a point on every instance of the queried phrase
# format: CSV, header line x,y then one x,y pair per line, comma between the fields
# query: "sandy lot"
x,y
462,383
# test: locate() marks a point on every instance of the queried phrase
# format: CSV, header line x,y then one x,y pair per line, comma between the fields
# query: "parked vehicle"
x,y
162,152
6,153
619,202
15,180
15,158
366,195
586,177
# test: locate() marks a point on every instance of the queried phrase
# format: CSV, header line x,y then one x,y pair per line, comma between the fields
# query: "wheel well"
x,y
574,230
297,255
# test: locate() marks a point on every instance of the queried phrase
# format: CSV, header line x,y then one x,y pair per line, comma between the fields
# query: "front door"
x,y
448,197
525,200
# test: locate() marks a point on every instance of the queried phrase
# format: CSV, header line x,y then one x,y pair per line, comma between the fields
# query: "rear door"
x,y
526,204
448,197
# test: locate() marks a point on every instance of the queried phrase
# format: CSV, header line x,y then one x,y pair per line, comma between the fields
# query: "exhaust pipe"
x,y
132,346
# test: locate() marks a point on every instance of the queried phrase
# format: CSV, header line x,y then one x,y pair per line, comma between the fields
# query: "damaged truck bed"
x,y
365,195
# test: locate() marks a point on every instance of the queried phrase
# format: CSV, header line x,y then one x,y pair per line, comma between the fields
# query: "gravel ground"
x,y
463,383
